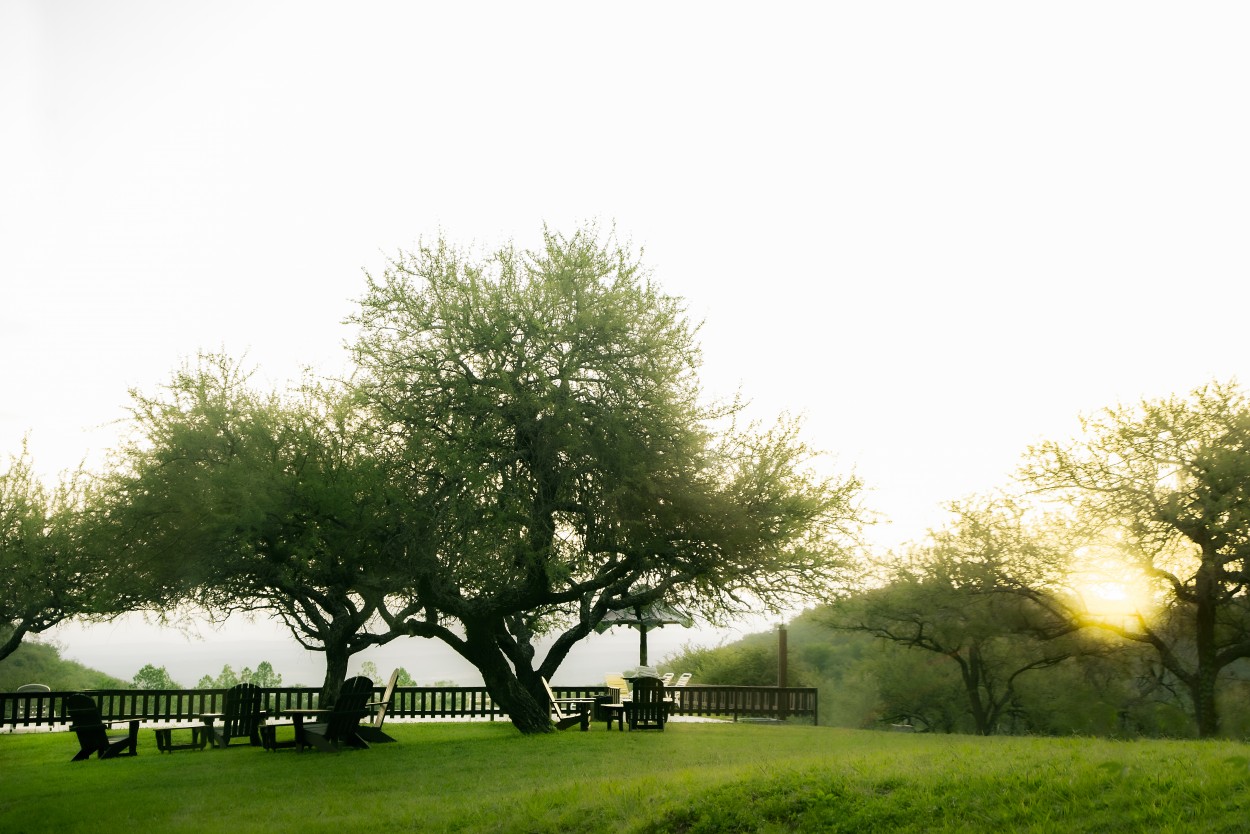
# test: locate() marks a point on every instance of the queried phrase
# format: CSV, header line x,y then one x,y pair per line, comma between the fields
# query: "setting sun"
x,y
1110,599
1111,590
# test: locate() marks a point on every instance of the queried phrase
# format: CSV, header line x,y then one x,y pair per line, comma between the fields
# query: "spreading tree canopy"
x,y
541,414
523,447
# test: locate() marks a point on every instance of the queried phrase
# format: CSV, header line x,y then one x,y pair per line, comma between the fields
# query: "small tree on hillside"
x,y
154,677
264,676
225,680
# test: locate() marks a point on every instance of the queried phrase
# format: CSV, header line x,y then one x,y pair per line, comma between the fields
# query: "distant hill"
x,y
35,662
836,663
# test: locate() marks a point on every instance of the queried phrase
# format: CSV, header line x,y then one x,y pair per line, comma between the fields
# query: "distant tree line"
x,y
39,662
158,677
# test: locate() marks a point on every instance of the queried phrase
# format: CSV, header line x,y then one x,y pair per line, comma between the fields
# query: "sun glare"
x,y
1111,591
1113,599
1116,604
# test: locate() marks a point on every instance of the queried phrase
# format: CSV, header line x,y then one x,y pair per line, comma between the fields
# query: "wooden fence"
x,y
33,710
750,701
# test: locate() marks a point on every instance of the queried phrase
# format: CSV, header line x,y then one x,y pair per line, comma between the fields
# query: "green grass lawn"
x,y
690,778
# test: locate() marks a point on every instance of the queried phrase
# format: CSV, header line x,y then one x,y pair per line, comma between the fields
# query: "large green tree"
x,y
1170,480
260,502
546,404
984,593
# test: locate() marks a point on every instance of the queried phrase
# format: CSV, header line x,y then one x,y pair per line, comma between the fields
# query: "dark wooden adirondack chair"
x,y
242,718
339,727
92,730
372,731
647,709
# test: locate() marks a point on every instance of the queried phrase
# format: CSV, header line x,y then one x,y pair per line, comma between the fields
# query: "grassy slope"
x,y
36,662
693,777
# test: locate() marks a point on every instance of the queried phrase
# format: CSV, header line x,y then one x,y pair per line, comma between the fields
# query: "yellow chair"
x,y
618,683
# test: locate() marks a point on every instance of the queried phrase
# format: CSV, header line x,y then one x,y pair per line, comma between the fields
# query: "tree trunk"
x,y
15,639
971,671
1205,713
337,655
528,714
1202,690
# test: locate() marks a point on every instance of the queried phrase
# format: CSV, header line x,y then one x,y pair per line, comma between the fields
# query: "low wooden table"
x,y
614,712
165,737
269,735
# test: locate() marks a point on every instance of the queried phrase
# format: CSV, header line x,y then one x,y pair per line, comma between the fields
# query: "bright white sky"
x,y
940,231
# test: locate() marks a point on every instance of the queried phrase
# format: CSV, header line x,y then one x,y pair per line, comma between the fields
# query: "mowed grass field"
x,y
694,777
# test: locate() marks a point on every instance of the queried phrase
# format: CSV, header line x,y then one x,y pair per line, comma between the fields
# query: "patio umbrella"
x,y
643,618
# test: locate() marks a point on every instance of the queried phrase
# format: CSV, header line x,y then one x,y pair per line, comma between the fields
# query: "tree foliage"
x,y
154,677
751,661
263,676
981,594
524,448
259,502
1169,480
541,411
50,568
225,680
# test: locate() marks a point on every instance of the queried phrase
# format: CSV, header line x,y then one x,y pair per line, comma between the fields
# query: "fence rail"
x,y
35,710
750,701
